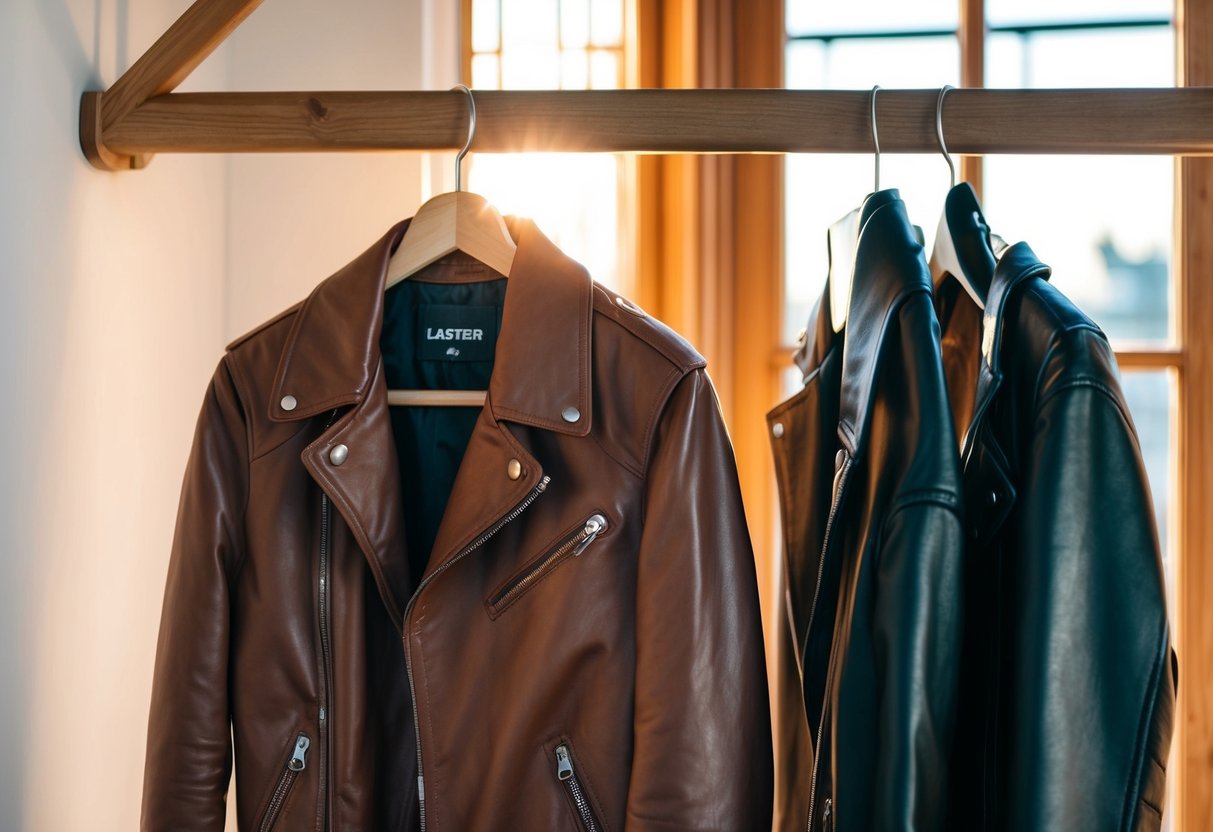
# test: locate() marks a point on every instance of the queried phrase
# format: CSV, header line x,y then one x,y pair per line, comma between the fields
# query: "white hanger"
x,y
842,239
448,222
963,245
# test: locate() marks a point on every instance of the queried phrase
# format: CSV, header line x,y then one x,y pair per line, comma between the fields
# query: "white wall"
x,y
294,219
119,291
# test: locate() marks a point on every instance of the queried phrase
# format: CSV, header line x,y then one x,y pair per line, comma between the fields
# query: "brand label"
x,y
449,332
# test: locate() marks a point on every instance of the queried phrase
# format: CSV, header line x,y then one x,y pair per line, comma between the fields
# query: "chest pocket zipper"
x,y
537,570
286,780
568,777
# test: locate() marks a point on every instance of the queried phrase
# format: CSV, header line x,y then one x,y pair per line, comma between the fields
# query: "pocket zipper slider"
x,y
595,526
299,758
564,765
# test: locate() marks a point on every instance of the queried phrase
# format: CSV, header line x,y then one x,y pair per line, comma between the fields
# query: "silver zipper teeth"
x,y
583,805
283,788
408,642
550,562
840,483
280,792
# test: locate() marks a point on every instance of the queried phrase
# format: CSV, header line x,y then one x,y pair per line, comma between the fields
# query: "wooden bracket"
x,y
176,54
100,156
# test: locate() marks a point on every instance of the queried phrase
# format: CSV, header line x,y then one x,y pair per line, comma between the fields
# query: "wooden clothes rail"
x,y
122,127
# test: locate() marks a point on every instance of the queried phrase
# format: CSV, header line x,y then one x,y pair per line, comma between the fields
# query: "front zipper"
x,y
840,479
566,775
290,773
326,649
573,546
531,497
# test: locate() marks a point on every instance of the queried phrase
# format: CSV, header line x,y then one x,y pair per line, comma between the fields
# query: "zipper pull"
x,y
564,765
299,758
827,816
595,526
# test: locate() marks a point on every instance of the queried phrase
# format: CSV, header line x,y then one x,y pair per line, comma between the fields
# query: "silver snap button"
x,y
339,454
571,414
514,469
627,305
777,430
289,403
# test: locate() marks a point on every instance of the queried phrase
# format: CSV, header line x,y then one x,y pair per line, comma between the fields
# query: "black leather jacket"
x,y
1068,686
870,486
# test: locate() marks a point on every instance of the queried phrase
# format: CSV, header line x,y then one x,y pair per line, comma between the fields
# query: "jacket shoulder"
x,y
1060,346
253,360
647,331
634,352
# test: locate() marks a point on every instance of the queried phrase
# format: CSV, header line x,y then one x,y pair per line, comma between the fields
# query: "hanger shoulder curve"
x,y
453,221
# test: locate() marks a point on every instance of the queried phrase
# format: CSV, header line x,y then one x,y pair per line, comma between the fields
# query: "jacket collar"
x,y
541,368
1017,264
332,355
889,268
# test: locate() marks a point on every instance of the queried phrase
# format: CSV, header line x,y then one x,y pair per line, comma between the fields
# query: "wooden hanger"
x,y
842,239
448,222
963,247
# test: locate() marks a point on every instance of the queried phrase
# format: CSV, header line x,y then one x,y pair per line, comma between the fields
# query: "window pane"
x,y
1082,59
529,23
574,24
893,63
1151,395
1012,12
530,69
1102,223
821,188
804,18
485,73
606,19
604,70
575,199
486,28
575,70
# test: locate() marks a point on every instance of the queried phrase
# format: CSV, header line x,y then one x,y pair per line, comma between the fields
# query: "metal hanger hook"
x,y
876,136
471,135
943,148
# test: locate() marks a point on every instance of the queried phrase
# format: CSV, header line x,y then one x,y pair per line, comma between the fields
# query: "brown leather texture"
x,y
642,656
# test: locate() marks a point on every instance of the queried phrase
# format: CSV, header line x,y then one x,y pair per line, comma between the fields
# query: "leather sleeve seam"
x,y
926,498
666,390
1088,382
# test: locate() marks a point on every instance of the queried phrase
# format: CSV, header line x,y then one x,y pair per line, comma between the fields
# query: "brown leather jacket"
x,y
582,646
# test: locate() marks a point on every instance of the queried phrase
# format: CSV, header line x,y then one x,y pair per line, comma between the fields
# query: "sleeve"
x,y
1091,688
917,638
189,756
702,756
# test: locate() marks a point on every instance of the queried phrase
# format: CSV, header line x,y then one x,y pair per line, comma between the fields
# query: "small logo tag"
x,y
452,332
